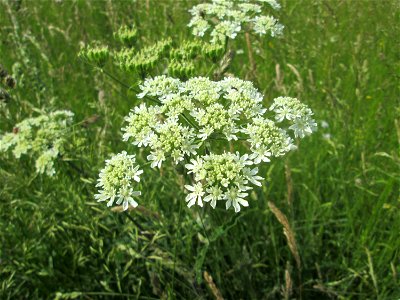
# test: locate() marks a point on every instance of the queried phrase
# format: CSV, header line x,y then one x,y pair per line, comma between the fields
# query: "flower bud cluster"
x,y
181,68
127,35
144,60
43,138
180,61
191,115
227,18
95,54
117,179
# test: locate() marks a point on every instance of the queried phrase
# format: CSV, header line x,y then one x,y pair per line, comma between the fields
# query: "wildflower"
x,y
299,114
45,162
215,118
303,126
159,86
263,24
43,138
267,139
214,194
235,198
228,18
171,137
141,122
251,175
194,113
116,180
195,195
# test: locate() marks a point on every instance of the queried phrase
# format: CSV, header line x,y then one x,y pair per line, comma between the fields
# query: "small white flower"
x,y
241,182
196,167
214,194
156,158
235,198
303,127
260,154
125,197
251,175
196,194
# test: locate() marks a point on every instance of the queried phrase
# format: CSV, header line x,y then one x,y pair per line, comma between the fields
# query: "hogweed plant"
x,y
187,123
43,138
225,19
218,131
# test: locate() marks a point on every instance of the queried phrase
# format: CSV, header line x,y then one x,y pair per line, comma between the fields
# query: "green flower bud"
x,y
126,35
214,51
97,55
181,69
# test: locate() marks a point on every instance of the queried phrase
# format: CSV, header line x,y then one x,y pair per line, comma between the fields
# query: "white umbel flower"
x,y
117,179
299,115
43,138
227,18
193,116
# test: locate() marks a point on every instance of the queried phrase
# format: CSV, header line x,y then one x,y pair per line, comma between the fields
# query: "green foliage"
x,y
340,192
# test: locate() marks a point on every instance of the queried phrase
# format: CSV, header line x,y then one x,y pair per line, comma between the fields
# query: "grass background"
x,y
340,194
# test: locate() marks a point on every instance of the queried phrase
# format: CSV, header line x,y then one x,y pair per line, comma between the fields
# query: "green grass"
x,y
340,195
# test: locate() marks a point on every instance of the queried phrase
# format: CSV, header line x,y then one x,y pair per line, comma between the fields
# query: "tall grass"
x,y
339,194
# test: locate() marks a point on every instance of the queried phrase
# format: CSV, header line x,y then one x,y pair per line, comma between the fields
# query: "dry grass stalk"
x,y
250,54
288,289
279,79
287,231
289,184
329,292
211,285
147,7
298,76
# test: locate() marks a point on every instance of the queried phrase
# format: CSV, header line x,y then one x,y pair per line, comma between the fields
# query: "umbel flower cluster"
x,y
181,61
116,180
186,125
43,138
227,18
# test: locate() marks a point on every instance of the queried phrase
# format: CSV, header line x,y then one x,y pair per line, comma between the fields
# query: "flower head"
x,y
191,115
228,18
116,181
43,137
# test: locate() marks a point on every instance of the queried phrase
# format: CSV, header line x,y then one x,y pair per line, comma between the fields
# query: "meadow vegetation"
x,y
325,223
